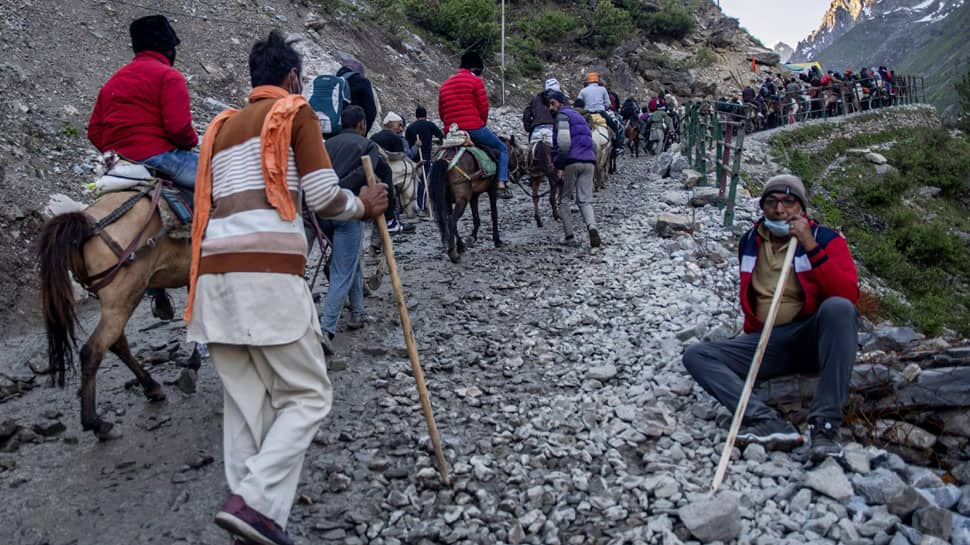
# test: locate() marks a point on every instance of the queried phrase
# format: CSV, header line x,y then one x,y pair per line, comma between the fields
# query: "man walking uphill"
x,y
815,328
247,296
424,131
574,156
462,101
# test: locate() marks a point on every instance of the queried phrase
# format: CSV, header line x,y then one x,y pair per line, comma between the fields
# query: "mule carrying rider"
x,y
248,298
142,113
462,101
597,101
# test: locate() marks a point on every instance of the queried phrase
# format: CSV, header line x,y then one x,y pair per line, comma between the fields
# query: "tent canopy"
x,y
799,67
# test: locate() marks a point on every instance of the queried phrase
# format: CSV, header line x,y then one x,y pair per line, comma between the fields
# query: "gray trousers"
x,y
824,344
577,184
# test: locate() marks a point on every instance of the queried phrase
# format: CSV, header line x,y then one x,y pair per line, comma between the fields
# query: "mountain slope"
x,y
915,37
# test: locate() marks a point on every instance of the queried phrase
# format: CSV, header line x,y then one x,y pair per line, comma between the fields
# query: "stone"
x,y
961,472
856,458
875,158
956,422
961,531
49,428
963,507
755,453
878,486
186,381
704,196
894,338
770,58
668,224
829,479
679,165
691,178
937,387
906,501
800,501
899,539
885,169
904,433
714,519
602,373
944,496
934,521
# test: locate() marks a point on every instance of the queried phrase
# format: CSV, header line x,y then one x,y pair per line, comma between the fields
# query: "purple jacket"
x,y
572,142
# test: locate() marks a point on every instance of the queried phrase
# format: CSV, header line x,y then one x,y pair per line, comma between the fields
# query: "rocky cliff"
x,y
784,51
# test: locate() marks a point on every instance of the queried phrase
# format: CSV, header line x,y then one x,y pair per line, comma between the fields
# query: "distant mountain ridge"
x,y
915,37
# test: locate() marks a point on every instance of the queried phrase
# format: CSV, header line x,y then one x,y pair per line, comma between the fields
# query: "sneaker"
x,y
594,238
356,321
407,228
394,226
247,524
773,434
504,192
327,343
162,306
617,152
825,441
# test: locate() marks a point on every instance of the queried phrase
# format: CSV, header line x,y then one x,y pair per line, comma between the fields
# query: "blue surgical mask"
x,y
777,227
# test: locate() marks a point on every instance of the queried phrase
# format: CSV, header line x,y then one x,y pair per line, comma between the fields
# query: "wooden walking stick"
x,y
408,333
759,354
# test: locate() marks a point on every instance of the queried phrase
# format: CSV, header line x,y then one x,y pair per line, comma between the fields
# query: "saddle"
x,y
175,204
486,157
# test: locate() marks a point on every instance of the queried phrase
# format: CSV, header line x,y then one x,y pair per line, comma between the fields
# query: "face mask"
x,y
777,228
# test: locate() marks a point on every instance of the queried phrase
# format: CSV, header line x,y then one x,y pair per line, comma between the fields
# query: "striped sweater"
x,y
245,233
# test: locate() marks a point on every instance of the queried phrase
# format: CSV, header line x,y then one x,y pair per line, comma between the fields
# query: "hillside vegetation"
x,y
908,223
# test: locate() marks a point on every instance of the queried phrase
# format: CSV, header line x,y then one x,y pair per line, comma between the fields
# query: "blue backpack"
x,y
331,93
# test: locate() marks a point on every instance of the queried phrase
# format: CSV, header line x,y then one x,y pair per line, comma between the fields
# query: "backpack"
x,y
630,108
331,93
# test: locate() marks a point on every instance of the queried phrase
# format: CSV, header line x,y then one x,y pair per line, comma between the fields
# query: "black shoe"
x,y
773,434
162,306
504,192
825,441
327,343
407,228
594,238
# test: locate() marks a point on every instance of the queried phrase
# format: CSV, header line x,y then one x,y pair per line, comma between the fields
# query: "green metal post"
x,y
722,164
735,178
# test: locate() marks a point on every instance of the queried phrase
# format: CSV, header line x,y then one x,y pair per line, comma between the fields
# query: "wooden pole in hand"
x,y
408,333
424,176
755,364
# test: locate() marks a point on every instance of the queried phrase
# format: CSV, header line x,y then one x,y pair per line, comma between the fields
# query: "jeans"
x,y
345,274
179,165
486,137
824,343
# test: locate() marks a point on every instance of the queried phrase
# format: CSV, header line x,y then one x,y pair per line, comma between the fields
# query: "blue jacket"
x,y
572,142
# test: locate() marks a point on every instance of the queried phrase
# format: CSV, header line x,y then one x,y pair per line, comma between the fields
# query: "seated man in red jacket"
x,y
142,112
462,100
815,328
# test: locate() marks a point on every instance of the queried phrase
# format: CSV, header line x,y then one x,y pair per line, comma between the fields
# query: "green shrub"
x,y
963,92
933,157
609,26
527,63
671,23
469,23
550,26
882,192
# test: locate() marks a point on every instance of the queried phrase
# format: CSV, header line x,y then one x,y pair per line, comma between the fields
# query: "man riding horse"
x,y
597,101
142,114
462,101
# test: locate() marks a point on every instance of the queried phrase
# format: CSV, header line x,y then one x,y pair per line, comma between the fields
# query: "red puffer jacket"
x,y
143,110
462,100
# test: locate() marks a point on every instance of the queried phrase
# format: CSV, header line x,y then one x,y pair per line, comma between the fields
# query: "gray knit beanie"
x,y
787,184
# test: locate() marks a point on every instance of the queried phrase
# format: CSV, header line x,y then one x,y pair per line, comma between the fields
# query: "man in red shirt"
x,y
462,100
142,112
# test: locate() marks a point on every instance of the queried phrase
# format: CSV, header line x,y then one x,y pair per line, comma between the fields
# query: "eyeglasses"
x,y
788,202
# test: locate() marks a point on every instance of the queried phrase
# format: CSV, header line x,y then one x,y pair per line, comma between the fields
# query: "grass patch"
x,y
906,240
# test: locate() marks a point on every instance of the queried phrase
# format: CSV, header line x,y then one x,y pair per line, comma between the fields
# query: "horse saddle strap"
x,y
105,277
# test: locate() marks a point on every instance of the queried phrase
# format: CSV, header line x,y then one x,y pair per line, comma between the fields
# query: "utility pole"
x,y
503,52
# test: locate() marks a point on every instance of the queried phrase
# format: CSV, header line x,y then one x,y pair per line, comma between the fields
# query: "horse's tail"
x,y
543,154
437,191
58,250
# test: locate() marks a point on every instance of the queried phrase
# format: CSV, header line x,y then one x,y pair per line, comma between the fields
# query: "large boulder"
x,y
714,519
769,58
669,224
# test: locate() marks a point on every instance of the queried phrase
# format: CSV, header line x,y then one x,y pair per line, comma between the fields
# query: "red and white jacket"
x,y
143,110
827,271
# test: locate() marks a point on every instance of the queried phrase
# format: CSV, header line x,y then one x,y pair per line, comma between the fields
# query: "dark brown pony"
x,y
632,134
452,189
540,166
69,244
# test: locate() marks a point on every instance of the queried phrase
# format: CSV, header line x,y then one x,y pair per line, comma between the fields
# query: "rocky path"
x,y
556,381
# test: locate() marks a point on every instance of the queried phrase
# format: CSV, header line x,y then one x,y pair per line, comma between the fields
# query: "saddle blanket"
x,y
485,161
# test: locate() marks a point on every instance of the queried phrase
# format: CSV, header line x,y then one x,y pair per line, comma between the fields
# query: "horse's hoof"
x,y
106,432
454,256
499,244
155,393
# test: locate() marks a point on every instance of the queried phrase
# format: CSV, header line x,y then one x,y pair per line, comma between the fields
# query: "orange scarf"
x,y
274,139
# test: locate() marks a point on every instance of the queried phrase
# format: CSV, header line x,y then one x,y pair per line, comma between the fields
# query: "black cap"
x,y
472,60
152,33
420,112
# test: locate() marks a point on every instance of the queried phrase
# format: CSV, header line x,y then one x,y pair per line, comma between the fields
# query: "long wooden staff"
x,y
408,333
755,364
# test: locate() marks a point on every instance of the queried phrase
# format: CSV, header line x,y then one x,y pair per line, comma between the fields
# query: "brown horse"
x,y
540,166
452,189
70,242
632,134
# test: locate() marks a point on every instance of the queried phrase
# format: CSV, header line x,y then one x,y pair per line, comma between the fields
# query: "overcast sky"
x,y
773,21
